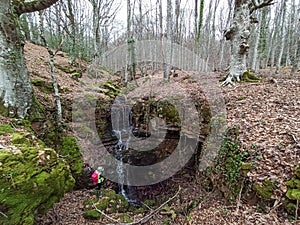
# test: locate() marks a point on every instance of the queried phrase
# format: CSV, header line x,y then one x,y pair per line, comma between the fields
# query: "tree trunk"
x,y
201,13
296,58
15,86
238,34
168,43
255,62
53,77
282,37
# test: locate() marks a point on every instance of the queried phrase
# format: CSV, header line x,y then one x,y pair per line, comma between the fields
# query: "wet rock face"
x,y
156,122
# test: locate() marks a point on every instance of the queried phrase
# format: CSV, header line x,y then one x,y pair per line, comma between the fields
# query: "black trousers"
x,y
99,186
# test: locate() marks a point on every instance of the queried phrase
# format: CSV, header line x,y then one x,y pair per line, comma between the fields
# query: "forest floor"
x,y
267,115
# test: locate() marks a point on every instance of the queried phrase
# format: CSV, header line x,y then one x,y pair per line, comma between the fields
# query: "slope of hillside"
x,y
266,115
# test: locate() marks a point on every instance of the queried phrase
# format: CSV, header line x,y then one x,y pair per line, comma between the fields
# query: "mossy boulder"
x,y
32,179
231,165
109,89
72,153
109,203
250,77
293,192
265,191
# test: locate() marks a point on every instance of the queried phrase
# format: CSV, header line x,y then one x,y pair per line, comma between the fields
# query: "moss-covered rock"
x,y
72,153
109,203
109,89
293,192
265,191
32,179
42,85
250,77
231,165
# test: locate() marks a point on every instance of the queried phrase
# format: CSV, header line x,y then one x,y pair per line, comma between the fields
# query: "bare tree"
x,y
282,36
239,34
104,13
53,77
168,41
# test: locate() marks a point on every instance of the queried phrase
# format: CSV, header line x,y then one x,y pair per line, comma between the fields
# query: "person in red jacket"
x,y
98,180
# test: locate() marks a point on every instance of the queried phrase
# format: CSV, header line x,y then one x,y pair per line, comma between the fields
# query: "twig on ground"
x,y
144,219
3,214
104,214
238,204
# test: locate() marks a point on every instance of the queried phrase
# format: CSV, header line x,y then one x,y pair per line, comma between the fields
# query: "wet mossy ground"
x,y
32,179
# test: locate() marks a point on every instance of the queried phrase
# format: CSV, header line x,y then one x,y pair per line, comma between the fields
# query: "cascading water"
x,y
122,128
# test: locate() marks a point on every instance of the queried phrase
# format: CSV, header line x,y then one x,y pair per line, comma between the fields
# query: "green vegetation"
x,y
6,129
250,77
110,202
32,179
266,190
231,164
109,89
293,193
72,154
42,85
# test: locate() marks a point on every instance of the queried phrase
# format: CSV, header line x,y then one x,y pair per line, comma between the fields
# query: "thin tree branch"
x,y
263,4
144,219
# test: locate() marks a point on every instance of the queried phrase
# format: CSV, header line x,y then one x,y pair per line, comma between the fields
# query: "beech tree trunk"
x,y
16,92
15,85
239,34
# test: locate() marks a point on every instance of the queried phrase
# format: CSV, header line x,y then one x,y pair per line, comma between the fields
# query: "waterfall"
x,y
121,116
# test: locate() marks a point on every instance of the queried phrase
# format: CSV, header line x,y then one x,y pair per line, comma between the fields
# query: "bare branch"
x,y
259,5
32,6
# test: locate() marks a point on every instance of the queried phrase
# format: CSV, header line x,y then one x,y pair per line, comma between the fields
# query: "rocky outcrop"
x,y
32,177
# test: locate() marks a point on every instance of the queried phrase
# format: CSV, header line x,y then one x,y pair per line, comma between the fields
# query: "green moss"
x,y
125,218
42,85
293,192
109,203
230,164
23,138
6,129
250,77
36,111
109,89
68,69
72,153
266,190
32,179
149,202
91,214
